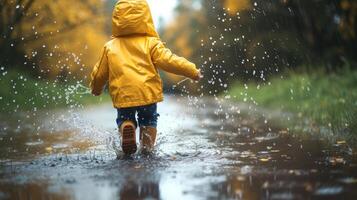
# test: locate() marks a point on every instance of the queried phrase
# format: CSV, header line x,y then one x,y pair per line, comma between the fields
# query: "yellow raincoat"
x,y
130,61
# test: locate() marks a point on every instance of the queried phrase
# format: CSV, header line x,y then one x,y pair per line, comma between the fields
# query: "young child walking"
x,y
129,64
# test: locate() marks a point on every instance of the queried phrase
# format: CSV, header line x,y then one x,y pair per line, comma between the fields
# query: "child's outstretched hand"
x,y
199,76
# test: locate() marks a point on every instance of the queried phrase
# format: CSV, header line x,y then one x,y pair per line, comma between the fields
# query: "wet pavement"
x,y
207,149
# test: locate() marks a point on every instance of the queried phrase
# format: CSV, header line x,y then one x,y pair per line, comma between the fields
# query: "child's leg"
x,y
126,114
127,124
147,117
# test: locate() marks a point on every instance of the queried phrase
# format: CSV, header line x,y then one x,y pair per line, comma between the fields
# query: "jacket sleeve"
x,y
164,59
100,74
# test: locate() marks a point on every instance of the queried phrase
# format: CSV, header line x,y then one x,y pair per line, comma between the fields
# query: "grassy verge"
x,y
21,92
326,100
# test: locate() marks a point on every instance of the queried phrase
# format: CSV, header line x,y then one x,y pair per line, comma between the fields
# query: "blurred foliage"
x,y
51,38
253,40
22,92
325,99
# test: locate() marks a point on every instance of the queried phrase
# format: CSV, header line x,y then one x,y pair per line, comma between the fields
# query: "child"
x,y
130,63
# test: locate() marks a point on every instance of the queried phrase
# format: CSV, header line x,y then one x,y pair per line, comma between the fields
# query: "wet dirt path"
x,y
209,150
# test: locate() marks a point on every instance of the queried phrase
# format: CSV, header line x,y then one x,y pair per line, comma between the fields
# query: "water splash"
x,y
74,90
180,82
113,144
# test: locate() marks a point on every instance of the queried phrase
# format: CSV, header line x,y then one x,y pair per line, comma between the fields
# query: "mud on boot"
x,y
128,137
147,138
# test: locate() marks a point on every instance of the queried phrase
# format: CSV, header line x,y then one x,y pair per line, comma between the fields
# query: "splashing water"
x,y
78,89
180,82
74,90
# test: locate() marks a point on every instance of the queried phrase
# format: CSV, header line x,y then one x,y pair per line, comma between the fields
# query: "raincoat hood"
x,y
131,17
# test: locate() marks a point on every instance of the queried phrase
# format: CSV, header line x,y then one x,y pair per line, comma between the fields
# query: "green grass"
x,y
21,92
326,100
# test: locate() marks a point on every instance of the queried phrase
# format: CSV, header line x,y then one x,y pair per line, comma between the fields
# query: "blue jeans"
x,y
147,115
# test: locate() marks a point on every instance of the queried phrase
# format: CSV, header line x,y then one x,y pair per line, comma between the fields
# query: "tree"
x,y
253,40
45,35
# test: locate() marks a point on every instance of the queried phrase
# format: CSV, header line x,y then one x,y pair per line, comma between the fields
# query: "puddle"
x,y
202,153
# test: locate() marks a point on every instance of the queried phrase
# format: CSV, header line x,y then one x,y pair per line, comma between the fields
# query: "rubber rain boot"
x,y
128,138
148,138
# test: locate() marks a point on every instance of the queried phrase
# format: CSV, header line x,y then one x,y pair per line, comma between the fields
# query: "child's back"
x,y
130,62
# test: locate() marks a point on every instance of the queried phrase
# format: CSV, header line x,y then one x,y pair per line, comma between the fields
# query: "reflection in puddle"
x,y
27,145
204,153
32,191
134,190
